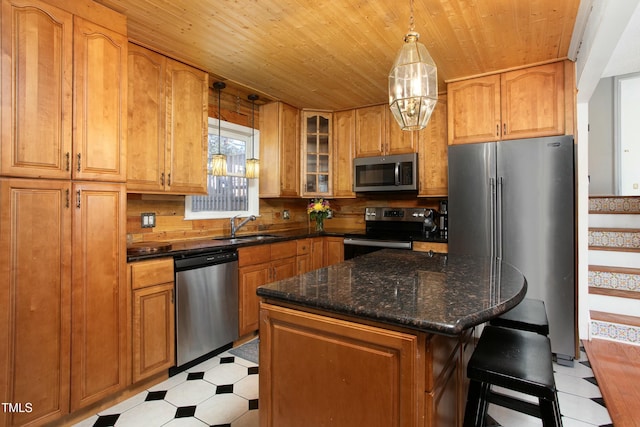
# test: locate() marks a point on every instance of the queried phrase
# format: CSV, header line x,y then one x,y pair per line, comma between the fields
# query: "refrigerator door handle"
x,y
499,212
492,215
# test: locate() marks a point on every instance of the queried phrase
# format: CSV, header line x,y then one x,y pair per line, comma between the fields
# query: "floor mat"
x,y
248,351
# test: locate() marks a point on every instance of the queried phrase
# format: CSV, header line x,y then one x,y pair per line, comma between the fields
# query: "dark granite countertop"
x,y
438,294
212,244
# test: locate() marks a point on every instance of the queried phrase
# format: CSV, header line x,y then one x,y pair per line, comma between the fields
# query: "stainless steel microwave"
x,y
386,173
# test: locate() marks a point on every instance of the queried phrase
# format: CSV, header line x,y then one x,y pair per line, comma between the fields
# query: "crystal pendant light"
x,y
252,169
218,161
413,83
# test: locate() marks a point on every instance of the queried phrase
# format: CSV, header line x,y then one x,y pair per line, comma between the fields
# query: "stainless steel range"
x,y
393,228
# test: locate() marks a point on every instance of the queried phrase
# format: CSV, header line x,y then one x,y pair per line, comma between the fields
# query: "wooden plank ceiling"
x,y
336,54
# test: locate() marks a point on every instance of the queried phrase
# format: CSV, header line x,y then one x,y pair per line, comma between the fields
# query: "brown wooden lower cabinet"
x,y
35,299
340,372
333,250
153,326
63,327
263,264
99,298
259,265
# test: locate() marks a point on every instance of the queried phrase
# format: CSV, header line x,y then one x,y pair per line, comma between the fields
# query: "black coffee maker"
x,y
430,223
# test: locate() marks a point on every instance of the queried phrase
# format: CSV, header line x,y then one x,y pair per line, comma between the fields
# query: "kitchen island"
x,y
379,340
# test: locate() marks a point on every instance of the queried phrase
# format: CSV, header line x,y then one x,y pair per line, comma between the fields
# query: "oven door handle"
x,y
377,243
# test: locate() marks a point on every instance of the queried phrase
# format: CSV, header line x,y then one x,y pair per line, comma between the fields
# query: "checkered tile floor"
x,y
223,391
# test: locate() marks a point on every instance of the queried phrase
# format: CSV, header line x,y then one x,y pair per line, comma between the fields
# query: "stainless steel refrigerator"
x,y
515,200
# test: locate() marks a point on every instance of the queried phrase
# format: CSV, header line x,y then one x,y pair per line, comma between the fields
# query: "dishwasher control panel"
x,y
187,262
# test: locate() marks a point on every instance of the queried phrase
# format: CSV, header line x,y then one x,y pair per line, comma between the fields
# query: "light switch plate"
x,y
148,219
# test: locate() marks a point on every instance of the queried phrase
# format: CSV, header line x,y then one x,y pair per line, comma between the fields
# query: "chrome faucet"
x,y
235,228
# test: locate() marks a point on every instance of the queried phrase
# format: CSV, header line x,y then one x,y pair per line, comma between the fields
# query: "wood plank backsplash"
x,y
171,225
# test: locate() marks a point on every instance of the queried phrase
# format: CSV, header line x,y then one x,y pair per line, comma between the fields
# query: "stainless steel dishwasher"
x,y
206,303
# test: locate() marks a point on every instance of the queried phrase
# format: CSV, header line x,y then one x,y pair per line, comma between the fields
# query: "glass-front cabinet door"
x,y
316,154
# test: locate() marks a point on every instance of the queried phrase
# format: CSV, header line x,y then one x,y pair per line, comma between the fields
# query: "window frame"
x,y
239,132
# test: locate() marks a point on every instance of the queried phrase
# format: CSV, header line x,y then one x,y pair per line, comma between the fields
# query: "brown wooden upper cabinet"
x,y
344,125
378,134
76,72
317,152
168,125
432,153
523,103
279,150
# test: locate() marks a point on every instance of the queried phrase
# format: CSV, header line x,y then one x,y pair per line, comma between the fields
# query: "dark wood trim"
x,y
614,292
619,270
614,230
621,319
613,249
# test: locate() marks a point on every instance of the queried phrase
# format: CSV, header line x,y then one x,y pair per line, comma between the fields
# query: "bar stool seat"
x,y
529,315
515,360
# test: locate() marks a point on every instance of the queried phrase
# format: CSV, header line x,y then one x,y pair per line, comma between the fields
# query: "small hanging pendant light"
x,y
413,83
218,161
252,169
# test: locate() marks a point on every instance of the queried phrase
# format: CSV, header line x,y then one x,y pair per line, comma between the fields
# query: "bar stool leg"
x,y
473,404
484,405
550,413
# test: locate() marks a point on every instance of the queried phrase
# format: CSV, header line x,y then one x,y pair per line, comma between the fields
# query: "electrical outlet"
x,y
148,219
285,214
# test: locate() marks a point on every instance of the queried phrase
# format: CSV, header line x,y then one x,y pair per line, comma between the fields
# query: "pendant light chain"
x,y
253,127
252,169
411,21
219,115
218,163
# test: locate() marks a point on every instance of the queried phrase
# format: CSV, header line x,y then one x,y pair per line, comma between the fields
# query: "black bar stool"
x,y
514,360
529,315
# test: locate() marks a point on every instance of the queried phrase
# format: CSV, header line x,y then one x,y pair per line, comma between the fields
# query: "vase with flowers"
x,y
318,210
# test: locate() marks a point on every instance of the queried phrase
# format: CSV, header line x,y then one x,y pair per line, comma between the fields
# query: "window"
x,y
232,194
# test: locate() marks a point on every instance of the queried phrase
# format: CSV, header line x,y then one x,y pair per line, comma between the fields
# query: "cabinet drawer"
x,y
283,249
153,272
252,255
303,246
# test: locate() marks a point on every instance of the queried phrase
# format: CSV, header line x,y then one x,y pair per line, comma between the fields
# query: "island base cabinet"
x,y
327,371
342,372
443,408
